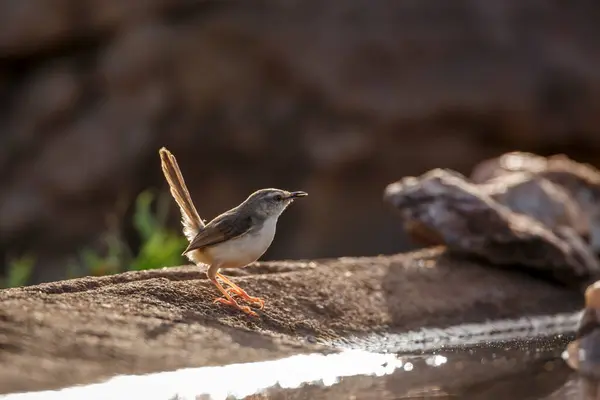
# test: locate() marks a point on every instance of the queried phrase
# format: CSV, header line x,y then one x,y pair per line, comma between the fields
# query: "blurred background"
x,y
335,98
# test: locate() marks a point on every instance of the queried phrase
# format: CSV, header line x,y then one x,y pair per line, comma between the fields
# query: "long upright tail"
x,y
190,219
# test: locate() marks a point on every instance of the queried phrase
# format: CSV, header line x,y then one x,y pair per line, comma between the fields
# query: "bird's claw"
x,y
228,302
254,300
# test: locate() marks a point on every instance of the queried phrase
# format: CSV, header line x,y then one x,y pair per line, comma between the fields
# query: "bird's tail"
x,y
190,219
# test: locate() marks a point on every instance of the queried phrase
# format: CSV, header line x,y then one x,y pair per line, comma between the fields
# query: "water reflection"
x,y
512,363
236,380
491,333
517,369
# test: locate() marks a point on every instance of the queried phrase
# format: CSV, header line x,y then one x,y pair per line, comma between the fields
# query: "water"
x,y
465,335
521,359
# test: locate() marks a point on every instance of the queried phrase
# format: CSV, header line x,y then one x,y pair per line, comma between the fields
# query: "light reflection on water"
x,y
335,376
235,380
428,339
512,363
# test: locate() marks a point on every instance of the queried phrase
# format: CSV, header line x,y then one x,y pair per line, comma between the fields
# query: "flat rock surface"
x,y
85,330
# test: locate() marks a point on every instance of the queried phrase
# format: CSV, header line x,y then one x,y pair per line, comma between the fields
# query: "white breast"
x,y
246,249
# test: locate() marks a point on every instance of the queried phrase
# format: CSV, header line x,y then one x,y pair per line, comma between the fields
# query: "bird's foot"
x,y
233,303
250,299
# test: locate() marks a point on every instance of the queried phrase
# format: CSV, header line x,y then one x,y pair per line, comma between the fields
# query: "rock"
x,y
89,329
31,28
539,198
583,353
581,182
469,221
515,161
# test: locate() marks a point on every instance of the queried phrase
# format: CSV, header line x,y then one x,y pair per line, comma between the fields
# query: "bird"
x,y
234,239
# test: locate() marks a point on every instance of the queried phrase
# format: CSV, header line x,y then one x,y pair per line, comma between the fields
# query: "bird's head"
x,y
271,202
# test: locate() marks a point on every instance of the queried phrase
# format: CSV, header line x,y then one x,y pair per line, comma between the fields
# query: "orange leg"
x,y
241,292
228,300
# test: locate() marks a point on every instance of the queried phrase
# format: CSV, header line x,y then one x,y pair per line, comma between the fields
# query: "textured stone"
x,y
581,182
445,208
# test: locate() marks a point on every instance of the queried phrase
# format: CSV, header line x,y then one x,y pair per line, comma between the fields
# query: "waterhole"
x,y
512,359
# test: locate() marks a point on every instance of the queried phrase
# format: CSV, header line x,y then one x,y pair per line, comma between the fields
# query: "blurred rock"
x,y
335,98
580,181
509,163
583,354
541,199
468,220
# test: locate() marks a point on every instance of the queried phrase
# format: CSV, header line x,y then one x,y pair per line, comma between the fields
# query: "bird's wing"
x,y
225,227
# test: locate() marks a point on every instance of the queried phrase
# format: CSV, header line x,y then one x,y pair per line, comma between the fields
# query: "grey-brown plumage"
x,y
235,238
226,226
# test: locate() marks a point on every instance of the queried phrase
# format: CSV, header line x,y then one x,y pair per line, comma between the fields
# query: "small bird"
x,y
233,239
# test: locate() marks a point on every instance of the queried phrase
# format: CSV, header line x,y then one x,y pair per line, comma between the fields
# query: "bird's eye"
x,y
277,197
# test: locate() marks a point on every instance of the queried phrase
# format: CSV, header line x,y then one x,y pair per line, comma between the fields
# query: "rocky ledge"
x,y
85,330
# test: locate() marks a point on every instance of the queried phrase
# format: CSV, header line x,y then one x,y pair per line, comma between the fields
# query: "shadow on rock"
x,y
437,289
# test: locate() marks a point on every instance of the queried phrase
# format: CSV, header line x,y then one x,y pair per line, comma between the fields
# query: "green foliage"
x,y
96,264
18,271
159,247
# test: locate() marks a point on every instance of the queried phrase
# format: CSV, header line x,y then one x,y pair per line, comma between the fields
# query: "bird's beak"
x,y
294,195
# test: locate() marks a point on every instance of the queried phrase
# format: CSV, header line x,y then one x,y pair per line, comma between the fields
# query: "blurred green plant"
x,y
94,262
159,246
18,271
